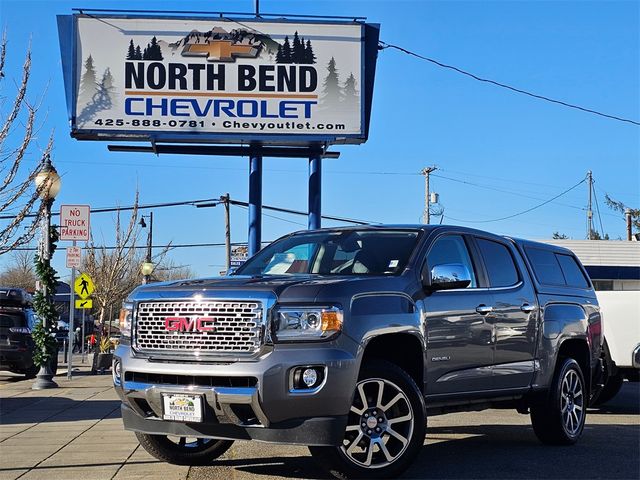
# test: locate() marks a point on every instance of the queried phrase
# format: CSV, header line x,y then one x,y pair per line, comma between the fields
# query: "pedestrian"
x,y
92,342
77,341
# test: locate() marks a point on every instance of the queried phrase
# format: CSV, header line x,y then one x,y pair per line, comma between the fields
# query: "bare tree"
x,y
168,270
18,195
20,272
116,271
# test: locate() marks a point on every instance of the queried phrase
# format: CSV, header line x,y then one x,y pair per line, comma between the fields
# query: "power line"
x,y
524,211
598,210
384,45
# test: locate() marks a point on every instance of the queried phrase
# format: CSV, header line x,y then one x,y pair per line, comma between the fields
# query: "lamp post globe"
x,y
146,269
48,181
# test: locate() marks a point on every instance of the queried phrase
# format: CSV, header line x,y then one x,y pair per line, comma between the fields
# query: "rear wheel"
x,y
385,428
183,450
560,419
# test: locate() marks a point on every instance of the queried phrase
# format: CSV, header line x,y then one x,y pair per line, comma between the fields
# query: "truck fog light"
x,y
309,377
117,371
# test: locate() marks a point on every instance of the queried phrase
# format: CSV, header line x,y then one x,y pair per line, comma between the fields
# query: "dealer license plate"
x,y
182,408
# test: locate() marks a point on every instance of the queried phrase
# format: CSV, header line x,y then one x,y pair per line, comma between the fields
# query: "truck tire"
x,y
385,427
559,420
611,388
198,451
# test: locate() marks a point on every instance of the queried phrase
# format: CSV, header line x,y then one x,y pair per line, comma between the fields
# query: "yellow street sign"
x,y
84,303
84,286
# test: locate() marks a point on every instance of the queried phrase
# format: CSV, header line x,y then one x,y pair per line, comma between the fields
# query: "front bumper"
x,y
245,400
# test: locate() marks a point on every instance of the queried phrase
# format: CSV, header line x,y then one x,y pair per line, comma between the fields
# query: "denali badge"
x,y
189,324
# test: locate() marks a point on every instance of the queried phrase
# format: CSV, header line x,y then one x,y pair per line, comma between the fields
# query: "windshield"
x,y
347,252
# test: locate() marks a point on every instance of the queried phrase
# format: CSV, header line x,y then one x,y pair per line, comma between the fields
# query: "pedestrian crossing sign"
x,y
84,286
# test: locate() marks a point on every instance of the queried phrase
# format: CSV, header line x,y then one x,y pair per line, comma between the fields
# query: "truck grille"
x,y
172,327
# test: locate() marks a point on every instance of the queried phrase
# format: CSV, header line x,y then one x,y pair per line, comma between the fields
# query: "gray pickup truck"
x,y
346,340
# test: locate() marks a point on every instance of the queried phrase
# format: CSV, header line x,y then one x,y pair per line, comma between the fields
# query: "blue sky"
x,y
500,152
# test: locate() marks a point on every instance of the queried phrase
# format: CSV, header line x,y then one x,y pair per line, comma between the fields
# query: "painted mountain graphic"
x,y
218,45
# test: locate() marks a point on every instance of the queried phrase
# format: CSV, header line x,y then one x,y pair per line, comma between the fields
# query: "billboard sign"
x,y
239,255
217,80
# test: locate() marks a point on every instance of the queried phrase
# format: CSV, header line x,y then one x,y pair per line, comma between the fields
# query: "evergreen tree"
x,y
131,53
309,57
154,52
297,54
286,51
350,91
88,81
279,55
138,55
145,53
332,92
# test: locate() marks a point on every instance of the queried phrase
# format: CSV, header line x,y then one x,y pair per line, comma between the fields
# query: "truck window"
x,y
572,272
499,263
545,266
451,249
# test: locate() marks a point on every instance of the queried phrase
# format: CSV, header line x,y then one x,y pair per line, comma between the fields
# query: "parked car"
x,y
345,340
16,322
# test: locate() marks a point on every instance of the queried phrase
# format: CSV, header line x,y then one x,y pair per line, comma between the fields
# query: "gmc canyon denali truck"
x,y
346,339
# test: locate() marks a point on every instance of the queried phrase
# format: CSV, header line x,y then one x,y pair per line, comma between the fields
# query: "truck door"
x,y
514,313
459,340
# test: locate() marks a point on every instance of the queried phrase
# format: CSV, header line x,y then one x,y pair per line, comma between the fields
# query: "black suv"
x,y
16,322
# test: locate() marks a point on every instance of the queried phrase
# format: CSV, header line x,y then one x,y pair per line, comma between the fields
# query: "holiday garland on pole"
x,y
46,345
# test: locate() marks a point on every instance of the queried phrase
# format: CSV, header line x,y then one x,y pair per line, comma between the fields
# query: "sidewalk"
x,y
71,432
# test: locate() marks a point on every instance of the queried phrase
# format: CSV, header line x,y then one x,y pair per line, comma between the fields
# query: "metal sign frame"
x,y
68,35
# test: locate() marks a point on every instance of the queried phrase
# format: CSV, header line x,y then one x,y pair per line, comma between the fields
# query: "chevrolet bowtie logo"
x,y
219,50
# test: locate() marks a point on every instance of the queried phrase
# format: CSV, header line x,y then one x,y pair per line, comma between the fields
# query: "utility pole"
x,y
227,229
627,216
589,211
426,172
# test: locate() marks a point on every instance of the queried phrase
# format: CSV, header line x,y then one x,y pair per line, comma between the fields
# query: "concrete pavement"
x,y
75,431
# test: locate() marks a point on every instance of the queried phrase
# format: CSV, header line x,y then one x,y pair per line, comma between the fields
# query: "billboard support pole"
x,y
255,203
315,192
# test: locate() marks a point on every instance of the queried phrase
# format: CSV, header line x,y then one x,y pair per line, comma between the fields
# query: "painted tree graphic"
x,y
131,52
138,53
88,83
102,99
300,52
309,56
350,91
332,92
153,51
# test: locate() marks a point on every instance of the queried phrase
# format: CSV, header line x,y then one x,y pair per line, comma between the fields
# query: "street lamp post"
x,y
48,185
147,267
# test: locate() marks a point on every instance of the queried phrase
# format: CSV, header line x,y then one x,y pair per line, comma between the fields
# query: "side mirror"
x,y
449,276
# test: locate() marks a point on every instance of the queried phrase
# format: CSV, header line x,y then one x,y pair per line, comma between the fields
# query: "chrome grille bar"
x,y
232,326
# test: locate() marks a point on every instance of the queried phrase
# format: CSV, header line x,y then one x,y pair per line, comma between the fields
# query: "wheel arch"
x,y
402,349
578,349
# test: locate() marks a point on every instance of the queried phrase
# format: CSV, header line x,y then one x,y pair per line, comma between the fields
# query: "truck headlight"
x,y
126,317
307,323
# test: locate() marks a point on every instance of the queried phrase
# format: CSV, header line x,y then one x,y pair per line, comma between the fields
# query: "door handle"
x,y
484,309
526,308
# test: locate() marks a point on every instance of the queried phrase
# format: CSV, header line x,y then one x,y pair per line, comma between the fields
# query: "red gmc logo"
x,y
189,324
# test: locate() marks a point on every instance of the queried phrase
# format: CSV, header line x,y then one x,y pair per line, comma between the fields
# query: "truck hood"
x,y
299,288
284,288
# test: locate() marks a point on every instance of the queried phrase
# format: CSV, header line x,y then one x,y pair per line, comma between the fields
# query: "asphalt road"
x,y
492,444
495,444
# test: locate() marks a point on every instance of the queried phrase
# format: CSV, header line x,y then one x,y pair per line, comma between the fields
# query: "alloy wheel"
x,y
572,402
380,424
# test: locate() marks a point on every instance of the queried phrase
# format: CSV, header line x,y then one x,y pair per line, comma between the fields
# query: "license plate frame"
x,y
182,407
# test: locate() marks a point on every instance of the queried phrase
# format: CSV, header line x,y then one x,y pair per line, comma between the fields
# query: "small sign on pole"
x,y
239,255
88,303
83,286
74,257
74,222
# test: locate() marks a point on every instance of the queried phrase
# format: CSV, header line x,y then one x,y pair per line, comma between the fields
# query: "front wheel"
x,y
385,428
183,450
560,419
